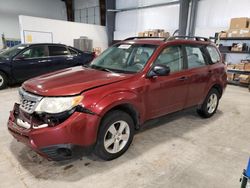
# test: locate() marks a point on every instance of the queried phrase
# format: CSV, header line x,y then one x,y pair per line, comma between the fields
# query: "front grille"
x,y
28,101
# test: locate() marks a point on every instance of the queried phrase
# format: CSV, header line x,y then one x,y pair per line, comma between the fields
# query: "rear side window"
x,y
58,51
215,57
195,57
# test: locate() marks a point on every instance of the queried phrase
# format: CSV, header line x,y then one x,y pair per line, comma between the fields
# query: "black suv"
x,y
25,61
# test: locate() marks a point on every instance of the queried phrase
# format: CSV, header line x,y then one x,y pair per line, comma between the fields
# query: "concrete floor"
x,y
181,150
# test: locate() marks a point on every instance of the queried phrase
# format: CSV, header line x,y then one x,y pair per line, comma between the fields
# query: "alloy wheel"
x,y
116,137
1,80
212,103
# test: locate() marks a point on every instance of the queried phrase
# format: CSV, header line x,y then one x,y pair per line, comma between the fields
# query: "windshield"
x,y
124,58
11,52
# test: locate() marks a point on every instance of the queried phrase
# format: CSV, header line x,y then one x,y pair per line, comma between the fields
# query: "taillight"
x,y
94,55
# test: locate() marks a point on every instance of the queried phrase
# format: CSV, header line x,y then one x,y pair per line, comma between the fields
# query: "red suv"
x,y
102,105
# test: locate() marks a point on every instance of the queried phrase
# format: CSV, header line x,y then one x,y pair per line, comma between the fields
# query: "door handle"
x,y
183,78
42,61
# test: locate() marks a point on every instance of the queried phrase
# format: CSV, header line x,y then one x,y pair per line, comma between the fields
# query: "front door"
x,y
167,94
31,62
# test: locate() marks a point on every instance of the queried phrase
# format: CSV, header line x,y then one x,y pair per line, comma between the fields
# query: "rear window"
x,y
58,51
215,57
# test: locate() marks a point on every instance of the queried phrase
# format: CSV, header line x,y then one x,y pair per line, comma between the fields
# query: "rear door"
x,y
168,94
32,62
61,57
198,73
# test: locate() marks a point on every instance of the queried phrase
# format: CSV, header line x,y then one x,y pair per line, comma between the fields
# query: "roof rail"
x,y
189,37
172,38
133,38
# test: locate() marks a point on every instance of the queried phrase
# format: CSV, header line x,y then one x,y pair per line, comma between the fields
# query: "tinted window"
x,y
195,57
34,52
72,52
58,51
171,57
215,57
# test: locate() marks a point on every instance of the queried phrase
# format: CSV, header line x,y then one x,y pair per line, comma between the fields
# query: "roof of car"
x,y
32,44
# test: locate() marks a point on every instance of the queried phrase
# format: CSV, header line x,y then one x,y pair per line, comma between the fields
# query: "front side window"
x,y
130,58
172,57
215,57
58,51
34,52
195,57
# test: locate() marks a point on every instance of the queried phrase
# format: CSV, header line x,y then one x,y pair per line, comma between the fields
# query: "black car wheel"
x,y
210,104
3,80
115,135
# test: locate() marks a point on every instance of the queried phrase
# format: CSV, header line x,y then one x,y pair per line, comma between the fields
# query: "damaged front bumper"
x,y
56,141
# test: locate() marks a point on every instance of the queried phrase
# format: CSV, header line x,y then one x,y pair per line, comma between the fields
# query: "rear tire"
x,y
210,104
115,135
3,80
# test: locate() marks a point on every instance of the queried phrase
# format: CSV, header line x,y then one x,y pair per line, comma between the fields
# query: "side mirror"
x,y
159,70
19,58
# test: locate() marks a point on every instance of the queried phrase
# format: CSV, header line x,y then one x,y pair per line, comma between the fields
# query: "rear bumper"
x,y
78,131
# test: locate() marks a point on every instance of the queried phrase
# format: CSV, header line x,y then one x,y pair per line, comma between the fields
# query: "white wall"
x,y
214,15
10,9
64,31
129,23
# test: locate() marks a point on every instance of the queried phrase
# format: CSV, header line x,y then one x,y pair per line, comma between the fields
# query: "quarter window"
x,y
58,51
215,57
172,57
195,57
72,52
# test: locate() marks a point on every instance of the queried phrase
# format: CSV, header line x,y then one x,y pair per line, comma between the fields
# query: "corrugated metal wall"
x,y
129,23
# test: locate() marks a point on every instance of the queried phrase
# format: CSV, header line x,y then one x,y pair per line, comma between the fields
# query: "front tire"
x,y
210,104
115,135
3,80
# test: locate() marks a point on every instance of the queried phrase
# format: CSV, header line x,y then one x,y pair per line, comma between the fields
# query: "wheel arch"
x,y
6,74
127,108
218,87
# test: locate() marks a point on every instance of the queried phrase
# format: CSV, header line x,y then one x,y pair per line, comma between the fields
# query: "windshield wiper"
x,y
108,70
87,66
101,68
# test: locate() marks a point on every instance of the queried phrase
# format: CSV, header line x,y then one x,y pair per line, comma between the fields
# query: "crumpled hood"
x,y
71,81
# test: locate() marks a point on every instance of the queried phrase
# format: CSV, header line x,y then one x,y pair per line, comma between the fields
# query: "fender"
x,y
5,67
219,78
118,98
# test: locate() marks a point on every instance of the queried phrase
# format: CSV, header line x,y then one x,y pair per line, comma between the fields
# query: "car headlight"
x,y
55,105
